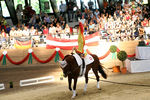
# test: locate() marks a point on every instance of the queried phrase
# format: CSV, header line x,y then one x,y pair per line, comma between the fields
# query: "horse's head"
x,y
68,65
65,67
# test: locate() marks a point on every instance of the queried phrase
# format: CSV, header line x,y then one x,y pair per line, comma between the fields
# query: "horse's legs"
x,y
86,81
70,81
97,77
74,88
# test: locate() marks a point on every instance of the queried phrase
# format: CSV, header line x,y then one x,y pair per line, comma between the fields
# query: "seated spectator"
x,y
82,20
2,26
63,25
91,27
45,31
37,32
96,13
55,22
39,26
12,33
145,22
52,30
4,37
44,23
3,33
58,29
37,19
110,18
46,18
48,25
32,31
85,28
67,30
18,33
25,32
8,29
94,20
127,16
52,18
21,26
141,31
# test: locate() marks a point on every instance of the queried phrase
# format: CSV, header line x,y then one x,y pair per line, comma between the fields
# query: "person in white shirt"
x,y
96,13
52,30
82,20
91,27
18,32
67,30
25,32
58,29
32,31
12,32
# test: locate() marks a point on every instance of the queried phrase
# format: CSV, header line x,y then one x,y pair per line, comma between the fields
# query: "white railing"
x,y
35,81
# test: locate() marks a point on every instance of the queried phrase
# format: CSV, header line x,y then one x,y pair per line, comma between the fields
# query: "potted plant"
x,y
11,84
113,50
122,56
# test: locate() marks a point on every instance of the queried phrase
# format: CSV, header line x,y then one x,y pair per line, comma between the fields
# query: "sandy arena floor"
x,y
58,90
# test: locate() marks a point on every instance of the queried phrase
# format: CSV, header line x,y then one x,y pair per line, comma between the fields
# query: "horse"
x,y
71,69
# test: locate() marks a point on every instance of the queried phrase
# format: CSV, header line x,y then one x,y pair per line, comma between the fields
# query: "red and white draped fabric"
x,y
68,44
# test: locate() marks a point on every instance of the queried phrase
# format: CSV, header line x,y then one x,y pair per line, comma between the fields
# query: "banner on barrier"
x,y
22,43
68,44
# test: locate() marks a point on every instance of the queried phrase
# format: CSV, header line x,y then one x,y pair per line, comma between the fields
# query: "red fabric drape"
x,y
46,61
104,56
19,62
131,55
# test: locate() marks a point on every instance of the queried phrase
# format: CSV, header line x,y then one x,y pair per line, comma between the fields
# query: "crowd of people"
x,y
114,22
119,22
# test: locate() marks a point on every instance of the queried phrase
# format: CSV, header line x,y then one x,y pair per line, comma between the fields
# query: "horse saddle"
x,y
88,59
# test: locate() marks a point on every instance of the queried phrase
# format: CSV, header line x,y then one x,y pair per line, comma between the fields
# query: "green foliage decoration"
x,y
113,48
122,55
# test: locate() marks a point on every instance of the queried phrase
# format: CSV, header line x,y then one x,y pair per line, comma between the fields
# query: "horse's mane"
x,y
70,59
65,57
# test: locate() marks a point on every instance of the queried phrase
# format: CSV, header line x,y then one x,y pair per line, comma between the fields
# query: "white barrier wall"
x,y
134,66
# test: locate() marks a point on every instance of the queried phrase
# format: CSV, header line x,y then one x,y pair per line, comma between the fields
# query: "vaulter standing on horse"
x,y
81,43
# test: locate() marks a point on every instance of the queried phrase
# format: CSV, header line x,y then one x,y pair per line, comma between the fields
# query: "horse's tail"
x,y
100,69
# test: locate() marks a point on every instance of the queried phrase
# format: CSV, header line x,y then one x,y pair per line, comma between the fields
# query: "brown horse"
x,y
71,69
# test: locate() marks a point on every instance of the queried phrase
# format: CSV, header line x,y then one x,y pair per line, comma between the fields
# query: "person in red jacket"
x,y
45,30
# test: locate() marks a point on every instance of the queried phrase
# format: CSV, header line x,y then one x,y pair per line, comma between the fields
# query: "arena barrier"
x,y
35,81
2,86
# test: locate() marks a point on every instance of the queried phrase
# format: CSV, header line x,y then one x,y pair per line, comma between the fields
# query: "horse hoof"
x,y
70,89
73,97
99,89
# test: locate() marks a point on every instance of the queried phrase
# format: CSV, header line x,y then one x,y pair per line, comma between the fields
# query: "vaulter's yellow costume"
x,y
81,41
